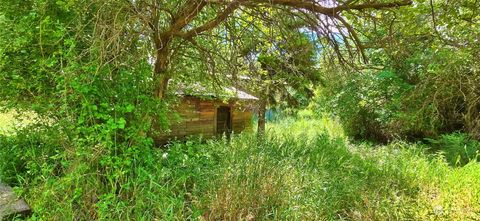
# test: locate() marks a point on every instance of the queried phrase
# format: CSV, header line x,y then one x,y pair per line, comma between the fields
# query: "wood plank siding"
x,y
201,117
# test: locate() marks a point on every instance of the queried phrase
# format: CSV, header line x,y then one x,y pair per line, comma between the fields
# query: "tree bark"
x,y
261,117
160,72
161,77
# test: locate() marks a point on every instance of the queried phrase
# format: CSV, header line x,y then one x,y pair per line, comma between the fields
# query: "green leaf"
x,y
121,123
129,108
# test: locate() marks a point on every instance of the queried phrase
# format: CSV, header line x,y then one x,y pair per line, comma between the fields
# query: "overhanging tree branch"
x,y
222,16
313,6
188,13
354,35
308,5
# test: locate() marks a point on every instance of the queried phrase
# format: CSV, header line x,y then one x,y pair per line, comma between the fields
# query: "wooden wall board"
x,y
198,117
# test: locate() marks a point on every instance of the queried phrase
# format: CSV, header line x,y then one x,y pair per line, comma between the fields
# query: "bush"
x,y
366,103
458,148
432,83
29,155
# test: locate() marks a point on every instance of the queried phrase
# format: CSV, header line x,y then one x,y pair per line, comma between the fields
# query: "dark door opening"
x,y
224,124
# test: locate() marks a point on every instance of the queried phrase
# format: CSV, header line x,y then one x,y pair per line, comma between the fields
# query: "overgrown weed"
x,y
303,169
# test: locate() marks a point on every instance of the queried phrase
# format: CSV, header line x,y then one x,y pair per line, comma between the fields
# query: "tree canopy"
x,y
100,80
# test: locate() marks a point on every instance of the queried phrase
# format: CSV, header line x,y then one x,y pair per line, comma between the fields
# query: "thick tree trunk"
x,y
160,76
261,117
160,71
162,85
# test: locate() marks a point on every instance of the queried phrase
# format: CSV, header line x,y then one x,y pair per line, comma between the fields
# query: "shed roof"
x,y
240,94
198,90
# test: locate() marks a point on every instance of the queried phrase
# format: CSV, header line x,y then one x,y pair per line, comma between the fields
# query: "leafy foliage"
x,y
366,103
432,57
457,148
94,75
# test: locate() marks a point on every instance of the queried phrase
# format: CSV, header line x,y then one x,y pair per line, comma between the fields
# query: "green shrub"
x,y
30,154
458,148
434,84
366,103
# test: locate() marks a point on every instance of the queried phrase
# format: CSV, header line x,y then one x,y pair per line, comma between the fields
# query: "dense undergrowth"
x,y
304,169
94,76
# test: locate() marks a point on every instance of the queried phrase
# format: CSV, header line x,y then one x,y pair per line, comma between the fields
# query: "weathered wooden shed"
x,y
209,116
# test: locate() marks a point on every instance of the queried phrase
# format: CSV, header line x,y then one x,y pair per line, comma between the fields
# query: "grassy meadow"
x,y
304,169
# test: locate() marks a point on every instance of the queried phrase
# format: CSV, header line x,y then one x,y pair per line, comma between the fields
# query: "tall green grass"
x,y
303,169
